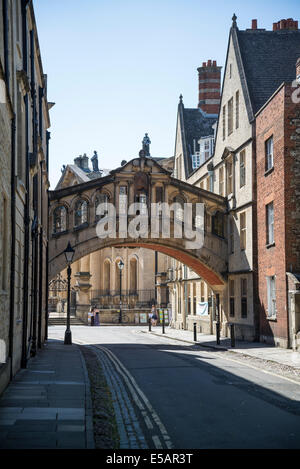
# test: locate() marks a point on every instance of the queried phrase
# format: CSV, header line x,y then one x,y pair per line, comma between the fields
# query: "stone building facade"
x,y
96,277
257,63
24,143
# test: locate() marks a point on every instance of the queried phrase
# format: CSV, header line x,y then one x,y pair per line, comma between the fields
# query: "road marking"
x,y
134,387
147,420
135,390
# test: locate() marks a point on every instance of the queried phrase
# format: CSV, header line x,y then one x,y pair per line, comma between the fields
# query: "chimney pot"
x,y
288,24
254,24
209,87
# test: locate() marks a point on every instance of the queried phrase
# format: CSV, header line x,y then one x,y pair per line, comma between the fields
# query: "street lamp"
x,y
69,254
121,267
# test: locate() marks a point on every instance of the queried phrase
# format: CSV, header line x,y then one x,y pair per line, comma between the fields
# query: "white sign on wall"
x,y
202,309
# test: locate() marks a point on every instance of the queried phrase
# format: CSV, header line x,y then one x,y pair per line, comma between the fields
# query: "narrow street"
x,y
181,396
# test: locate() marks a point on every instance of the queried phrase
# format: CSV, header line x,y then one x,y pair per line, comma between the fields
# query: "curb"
x,y
220,347
90,442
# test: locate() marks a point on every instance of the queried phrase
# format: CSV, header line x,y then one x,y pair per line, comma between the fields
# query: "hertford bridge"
x,y
74,218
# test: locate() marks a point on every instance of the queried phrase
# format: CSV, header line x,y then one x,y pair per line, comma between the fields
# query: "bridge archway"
x,y
124,186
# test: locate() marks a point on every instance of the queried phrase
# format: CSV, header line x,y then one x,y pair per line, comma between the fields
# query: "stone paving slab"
x,y
48,404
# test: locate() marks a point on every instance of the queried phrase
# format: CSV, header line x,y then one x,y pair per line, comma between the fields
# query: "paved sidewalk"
x,y
48,405
258,350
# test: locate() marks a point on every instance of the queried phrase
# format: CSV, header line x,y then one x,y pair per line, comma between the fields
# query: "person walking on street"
x,y
154,316
97,319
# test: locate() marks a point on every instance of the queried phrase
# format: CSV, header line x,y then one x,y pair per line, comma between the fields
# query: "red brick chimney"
x,y
289,24
254,24
209,87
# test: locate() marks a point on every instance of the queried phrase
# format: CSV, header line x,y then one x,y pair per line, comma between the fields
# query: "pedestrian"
x,y
92,317
154,318
97,319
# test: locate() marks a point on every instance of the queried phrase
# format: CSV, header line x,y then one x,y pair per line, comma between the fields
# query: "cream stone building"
x,y
225,168
24,146
222,160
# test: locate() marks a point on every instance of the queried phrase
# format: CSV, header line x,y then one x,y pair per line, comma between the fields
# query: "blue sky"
x,y
116,68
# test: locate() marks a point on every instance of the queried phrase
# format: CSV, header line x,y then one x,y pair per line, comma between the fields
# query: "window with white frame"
x,y
243,235
271,291
229,177
270,223
269,153
242,168
221,181
196,160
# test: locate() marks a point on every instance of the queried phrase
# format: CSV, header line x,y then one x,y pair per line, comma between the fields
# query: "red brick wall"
x,y
271,187
292,181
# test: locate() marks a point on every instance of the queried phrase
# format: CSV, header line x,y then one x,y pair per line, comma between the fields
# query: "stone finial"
x,y
234,18
180,99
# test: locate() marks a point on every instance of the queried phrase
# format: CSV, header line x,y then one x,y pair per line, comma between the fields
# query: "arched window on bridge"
x,y
141,198
218,224
101,199
59,220
179,214
81,212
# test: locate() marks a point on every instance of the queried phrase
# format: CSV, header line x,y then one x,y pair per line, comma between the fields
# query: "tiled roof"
x,y
195,124
269,58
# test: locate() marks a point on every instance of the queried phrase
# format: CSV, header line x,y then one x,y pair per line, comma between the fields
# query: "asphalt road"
x,y
201,398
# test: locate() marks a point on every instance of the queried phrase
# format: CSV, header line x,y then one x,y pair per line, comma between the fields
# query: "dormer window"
x,y
206,150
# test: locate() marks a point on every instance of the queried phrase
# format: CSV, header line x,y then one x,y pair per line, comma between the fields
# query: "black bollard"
x,y
163,323
195,332
232,336
218,332
218,318
149,324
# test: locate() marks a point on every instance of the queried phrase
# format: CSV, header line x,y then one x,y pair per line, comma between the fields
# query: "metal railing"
x,y
109,299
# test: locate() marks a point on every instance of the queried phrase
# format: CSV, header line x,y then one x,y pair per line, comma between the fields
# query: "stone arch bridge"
x,y
74,218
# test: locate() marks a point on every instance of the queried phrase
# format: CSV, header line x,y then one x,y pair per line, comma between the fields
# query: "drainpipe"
x,y
48,136
13,244
41,263
156,271
27,187
5,43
